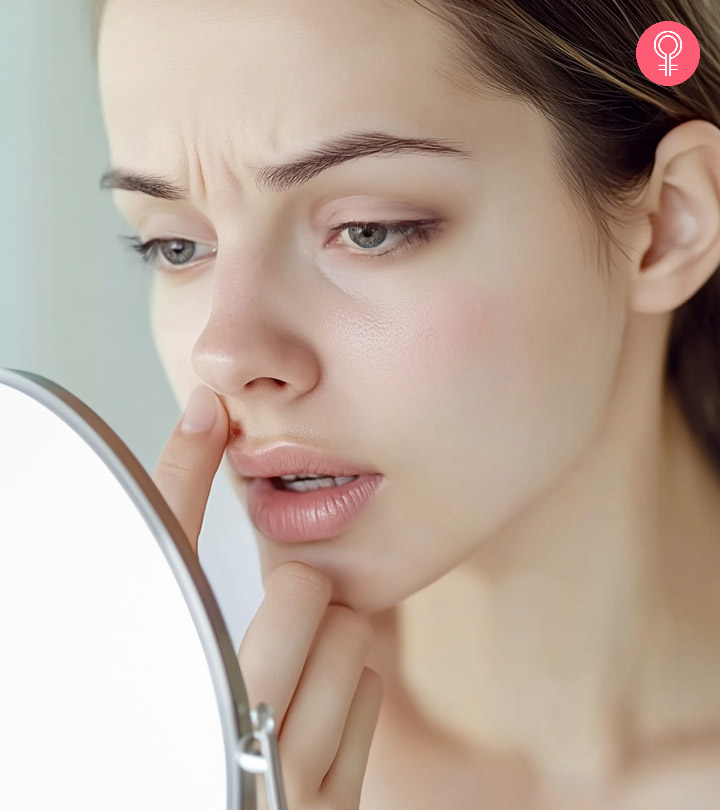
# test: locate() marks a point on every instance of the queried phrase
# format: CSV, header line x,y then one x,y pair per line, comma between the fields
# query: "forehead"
x,y
262,77
205,92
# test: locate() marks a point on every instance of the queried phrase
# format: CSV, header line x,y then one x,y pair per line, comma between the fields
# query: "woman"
x,y
486,284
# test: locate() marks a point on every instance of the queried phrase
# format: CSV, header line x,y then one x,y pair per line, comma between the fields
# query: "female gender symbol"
x,y
678,47
668,67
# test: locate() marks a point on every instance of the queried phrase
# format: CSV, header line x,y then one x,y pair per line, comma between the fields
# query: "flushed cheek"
x,y
457,324
433,357
417,351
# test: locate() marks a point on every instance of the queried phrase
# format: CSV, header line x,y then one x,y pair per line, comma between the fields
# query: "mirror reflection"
x,y
118,689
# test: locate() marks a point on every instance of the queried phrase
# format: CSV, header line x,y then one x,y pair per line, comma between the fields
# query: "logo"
x,y
667,53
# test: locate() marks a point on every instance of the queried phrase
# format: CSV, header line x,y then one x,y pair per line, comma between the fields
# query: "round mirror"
x,y
120,686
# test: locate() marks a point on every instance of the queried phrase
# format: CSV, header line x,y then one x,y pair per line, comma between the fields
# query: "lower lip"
x,y
297,517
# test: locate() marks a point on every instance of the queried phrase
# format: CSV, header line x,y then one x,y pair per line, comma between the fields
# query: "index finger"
x,y
189,461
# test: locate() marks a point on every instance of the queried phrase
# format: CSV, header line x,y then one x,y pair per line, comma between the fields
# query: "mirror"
x,y
119,686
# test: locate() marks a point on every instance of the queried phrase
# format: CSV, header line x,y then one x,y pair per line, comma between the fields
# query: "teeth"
x,y
295,477
319,482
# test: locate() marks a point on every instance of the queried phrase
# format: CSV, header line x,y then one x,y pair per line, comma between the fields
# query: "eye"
x,y
176,252
372,234
180,253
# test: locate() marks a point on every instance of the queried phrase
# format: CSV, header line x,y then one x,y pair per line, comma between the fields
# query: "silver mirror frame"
x,y
244,730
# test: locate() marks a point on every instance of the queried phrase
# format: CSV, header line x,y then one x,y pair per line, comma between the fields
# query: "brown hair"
x,y
574,61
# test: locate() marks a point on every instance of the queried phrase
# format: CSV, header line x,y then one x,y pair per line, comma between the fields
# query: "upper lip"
x,y
288,458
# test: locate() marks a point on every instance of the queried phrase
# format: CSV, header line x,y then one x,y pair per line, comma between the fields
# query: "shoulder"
x,y
687,779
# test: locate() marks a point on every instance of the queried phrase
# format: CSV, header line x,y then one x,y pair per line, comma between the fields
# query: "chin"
x,y
365,586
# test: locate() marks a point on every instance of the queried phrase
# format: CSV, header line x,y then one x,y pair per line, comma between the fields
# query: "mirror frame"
x,y
230,693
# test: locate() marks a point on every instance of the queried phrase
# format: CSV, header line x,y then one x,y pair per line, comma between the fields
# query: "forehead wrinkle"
x,y
199,188
204,160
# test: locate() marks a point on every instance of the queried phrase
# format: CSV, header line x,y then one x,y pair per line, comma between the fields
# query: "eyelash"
x,y
414,231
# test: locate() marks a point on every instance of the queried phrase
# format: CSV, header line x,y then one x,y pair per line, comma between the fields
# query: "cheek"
x,y
457,324
176,324
428,352
451,338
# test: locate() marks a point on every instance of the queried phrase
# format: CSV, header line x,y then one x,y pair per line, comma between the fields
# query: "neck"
x,y
542,643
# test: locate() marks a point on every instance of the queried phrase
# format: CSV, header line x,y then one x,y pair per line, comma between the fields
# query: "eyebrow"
x,y
299,170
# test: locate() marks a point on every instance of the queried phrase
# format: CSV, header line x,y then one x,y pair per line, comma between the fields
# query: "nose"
x,y
257,338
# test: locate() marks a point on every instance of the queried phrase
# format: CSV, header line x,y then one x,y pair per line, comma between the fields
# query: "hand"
x,y
306,659
187,465
302,656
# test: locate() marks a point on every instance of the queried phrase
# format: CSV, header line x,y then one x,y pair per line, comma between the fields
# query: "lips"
x,y
320,514
287,458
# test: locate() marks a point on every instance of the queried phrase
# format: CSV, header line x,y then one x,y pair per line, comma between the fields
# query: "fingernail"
x,y
200,412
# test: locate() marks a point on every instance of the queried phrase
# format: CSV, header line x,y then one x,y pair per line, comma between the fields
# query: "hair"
x,y
574,61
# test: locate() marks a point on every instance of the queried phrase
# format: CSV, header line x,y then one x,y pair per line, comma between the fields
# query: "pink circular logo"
x,y
667,53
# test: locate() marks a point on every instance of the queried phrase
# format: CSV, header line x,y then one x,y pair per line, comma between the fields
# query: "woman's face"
x,y
471,369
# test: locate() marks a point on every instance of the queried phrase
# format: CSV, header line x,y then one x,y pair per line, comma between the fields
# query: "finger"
x,y
342,785
278,640
189,461
315,722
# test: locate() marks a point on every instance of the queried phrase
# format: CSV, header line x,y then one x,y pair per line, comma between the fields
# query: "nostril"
x,y
259,381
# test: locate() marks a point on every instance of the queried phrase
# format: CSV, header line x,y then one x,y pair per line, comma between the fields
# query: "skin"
x,y
287,657
538,571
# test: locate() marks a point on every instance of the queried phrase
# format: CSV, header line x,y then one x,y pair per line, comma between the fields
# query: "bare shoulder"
x,y
686,778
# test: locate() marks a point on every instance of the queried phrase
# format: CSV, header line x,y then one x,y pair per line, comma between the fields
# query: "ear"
x,y
682,203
